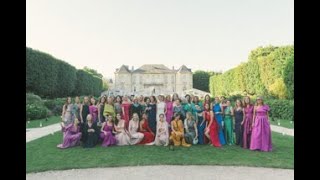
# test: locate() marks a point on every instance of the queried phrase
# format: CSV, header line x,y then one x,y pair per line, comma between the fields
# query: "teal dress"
x,y
228,125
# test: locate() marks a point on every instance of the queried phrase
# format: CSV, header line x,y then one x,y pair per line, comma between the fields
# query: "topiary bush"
x,y
36,111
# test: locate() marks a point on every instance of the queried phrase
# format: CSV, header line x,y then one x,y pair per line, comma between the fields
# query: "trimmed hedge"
x,y
49,77
268,72
281,109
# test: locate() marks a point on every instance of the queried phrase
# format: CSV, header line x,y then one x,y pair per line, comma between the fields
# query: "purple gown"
x,y
247,126
108,139
169,112
261,131
94,112
71,136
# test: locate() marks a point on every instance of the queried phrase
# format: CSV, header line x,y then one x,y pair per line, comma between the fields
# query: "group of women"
x,y
159,121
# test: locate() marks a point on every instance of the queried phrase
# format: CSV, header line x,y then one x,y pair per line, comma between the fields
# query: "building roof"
x,y
123,69
184,69
154,68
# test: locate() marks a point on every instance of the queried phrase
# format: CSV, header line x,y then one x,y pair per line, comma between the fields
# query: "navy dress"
x,y
152,114
238,127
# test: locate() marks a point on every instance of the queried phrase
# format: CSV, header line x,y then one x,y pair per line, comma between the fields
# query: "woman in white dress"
x,y
135,136
161,107
162,137
121,133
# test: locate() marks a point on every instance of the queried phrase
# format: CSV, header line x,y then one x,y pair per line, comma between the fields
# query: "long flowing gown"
x,y
152,120
216,109
71,136
102,118
125,117
213,129
108,139
136,136
238,127
162,136
201,125
94,113
160,110
76,110
169,112
261,132
190,132
122,137
247,126
228,125
90,139
146,131
68,116
85,112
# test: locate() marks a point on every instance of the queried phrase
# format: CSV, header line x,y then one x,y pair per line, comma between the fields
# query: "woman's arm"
x,y
244,116
63,112
99,115
196,129
81,118
254,116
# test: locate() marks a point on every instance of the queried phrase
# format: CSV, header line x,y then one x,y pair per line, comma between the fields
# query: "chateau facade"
x,y
152,79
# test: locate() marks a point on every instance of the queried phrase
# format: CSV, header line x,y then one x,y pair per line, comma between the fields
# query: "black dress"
x,y
85,112
238,127
90,139
136,108
152,114
102,118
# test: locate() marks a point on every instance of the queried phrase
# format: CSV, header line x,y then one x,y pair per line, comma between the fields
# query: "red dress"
x,y
126,108
148,136
214,129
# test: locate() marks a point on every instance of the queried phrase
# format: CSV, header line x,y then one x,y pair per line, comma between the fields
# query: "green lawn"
x,y
42,155
36,123
283,123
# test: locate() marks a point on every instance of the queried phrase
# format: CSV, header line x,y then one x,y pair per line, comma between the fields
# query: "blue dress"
x,y
197,113
216,109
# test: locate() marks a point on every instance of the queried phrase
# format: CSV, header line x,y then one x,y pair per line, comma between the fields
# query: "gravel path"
x,y
282,130
35,133
169,172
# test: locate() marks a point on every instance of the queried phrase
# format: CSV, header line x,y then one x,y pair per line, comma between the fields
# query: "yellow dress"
x,y
178,136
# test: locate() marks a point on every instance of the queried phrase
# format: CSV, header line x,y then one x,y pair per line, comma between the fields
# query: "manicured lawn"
x,y
283,123
42,155
36,123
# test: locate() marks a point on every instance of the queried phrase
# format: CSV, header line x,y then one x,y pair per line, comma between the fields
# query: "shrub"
x,y
33,99
281,108
36,111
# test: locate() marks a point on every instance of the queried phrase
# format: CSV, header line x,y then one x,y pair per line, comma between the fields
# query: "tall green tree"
x,y
201,80
92,71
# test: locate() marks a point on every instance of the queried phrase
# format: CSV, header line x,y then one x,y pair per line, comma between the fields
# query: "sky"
x,y
213,35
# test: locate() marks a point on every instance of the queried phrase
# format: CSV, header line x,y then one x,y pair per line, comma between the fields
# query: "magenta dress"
x,y
108,139
169,112
261,131
94,112
247,126
71,136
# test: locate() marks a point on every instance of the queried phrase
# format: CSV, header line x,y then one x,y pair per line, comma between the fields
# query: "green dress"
x,y
228,126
